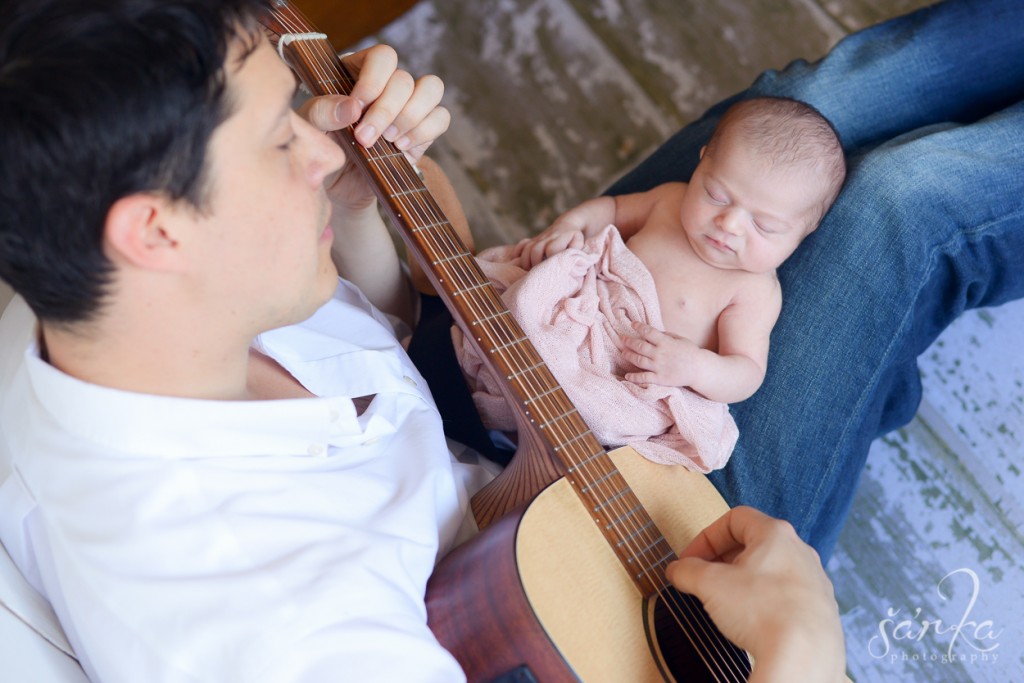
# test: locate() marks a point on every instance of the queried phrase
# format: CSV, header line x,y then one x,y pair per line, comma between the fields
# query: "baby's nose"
x,y
731,221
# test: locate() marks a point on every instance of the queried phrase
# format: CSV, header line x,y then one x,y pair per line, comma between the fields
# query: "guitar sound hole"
x,y
689,648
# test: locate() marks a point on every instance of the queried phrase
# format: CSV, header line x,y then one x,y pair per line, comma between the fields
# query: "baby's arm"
x,y
567,232
732,374
628,213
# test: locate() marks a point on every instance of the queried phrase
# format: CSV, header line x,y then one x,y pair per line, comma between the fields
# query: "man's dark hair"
x,y
99,100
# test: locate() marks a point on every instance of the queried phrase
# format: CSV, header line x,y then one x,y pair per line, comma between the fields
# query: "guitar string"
x,y
417,207
410,185
325,79
396,182
393,178
443,242
402,178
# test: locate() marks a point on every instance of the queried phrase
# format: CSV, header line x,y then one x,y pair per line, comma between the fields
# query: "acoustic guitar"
x,y
566,581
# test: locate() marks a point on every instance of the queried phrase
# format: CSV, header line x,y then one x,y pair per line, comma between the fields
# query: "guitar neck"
x,y
481,313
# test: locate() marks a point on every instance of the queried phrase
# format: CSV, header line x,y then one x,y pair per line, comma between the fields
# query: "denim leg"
x,y
927,226
931,224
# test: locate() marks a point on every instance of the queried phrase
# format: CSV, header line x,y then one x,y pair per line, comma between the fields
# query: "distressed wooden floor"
x,y
553,99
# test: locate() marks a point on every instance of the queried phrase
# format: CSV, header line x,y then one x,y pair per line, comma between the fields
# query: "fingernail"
x,y
403,143
367,134
390,133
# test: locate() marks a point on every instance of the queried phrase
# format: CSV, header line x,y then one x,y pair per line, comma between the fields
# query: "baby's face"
x,y
740,213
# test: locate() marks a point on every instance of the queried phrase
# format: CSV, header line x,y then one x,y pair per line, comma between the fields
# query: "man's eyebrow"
x,y
285,109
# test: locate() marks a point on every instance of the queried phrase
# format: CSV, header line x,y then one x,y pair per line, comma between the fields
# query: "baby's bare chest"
x,y
691,294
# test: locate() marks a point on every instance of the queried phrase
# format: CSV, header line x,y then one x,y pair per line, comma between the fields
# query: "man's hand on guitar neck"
x,y
767,592
386,102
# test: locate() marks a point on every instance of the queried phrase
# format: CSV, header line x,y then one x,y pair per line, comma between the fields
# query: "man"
x,y
216,460
184,520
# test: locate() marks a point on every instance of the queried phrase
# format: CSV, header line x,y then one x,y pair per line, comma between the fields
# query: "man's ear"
x,y
139,231
702,150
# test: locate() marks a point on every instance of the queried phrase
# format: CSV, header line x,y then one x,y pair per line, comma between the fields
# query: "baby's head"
x,y
771,170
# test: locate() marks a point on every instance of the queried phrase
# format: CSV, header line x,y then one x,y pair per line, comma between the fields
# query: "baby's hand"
x,y
533,250
665,358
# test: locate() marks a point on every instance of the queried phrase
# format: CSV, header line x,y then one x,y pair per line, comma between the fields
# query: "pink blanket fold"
x,y
575,306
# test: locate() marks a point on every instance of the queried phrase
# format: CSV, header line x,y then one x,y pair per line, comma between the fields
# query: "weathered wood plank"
x,y
920,516
942,495
542,113
687,55
853,15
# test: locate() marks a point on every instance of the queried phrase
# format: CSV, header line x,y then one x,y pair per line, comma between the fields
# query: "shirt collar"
x,y
163,426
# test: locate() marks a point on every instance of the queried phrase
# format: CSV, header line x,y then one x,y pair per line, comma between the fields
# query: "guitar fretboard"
x,y
499,339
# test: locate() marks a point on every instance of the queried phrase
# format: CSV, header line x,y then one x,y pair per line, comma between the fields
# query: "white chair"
x,y
33,647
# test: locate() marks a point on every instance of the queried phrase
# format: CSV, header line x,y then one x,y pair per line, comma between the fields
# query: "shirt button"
x,y
334,415
316,449
409,380
371,441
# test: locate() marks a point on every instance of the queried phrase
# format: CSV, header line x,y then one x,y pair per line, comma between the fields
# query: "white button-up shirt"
x,y
192,540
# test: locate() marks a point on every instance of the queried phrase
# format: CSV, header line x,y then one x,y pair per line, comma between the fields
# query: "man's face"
x,y
742,213
262,240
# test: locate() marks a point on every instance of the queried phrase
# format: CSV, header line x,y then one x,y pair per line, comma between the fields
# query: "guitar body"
x,y
542,588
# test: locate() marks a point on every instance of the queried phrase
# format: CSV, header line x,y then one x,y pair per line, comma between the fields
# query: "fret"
x,y
598,481
329,81
581,435
499,314
385,155
453,257
454,266
404,193
624,516
506,345
497,331
667,557
611,500
429,226
645,527
652,546
558,417
584,462
479,285
541,395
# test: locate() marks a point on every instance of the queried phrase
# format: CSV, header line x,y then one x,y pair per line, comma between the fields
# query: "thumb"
x,y
332,112
697,577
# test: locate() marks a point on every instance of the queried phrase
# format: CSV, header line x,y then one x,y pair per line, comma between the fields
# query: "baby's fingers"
x,y
649,333
642,377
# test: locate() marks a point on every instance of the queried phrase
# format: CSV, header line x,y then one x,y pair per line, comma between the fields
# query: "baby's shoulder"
x,y
758,289
669,191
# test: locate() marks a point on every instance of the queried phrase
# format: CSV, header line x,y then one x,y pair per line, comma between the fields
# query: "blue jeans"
x,y
930,110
